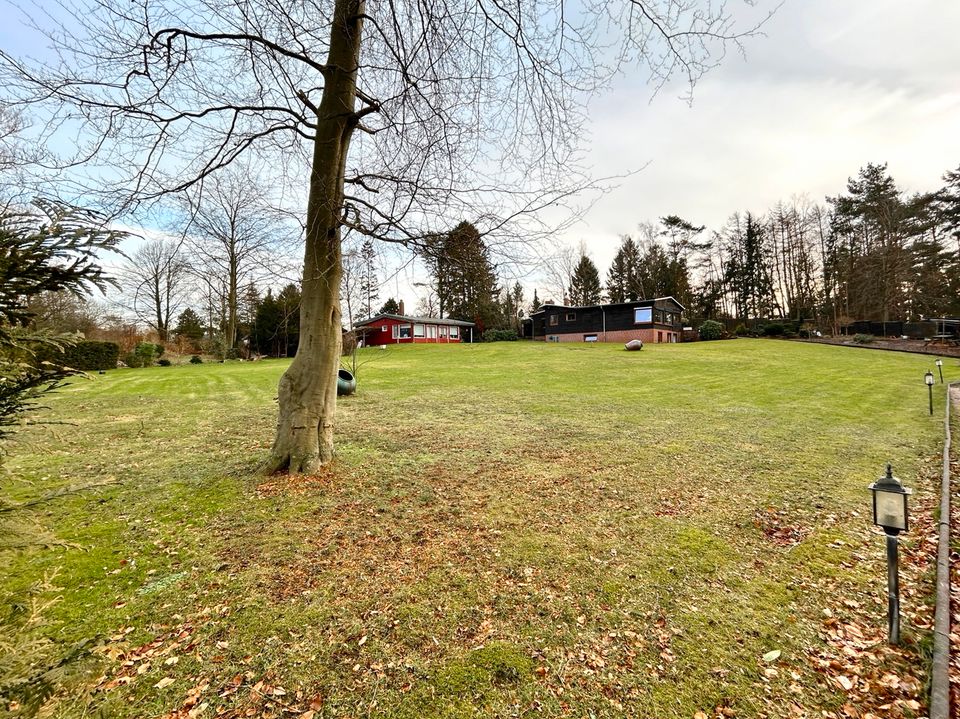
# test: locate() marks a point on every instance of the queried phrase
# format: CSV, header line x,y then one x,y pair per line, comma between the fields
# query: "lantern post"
x,y
890,513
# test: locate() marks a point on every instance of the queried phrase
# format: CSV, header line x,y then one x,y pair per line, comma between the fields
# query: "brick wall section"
x,y
647,336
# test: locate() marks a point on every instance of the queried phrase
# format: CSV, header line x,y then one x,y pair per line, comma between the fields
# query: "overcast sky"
x,y
829,87
832,86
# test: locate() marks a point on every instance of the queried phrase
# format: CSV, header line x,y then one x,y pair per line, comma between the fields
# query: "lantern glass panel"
x,y
890,509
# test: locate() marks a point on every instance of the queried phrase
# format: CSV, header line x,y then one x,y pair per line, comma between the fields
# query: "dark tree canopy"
x,y
585,286
189,325
623,277
464,278
390,307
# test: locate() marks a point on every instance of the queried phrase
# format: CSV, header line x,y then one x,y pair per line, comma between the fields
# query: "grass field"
x,y
508,530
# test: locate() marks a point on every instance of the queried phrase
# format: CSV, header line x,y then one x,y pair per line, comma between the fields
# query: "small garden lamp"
x,y
939,364
890,513
928,378
890,503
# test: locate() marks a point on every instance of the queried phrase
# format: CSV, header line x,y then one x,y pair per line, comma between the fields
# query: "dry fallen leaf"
x,y
163,683
844,681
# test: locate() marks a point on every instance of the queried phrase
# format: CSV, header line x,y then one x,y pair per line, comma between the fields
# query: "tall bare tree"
x,y
351,287
156,283
231,229
411,116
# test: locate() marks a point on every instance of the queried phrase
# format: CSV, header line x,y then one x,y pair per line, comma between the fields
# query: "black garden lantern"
x,y
890,513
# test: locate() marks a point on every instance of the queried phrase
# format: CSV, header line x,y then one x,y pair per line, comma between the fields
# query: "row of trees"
x,y
224,237
871,253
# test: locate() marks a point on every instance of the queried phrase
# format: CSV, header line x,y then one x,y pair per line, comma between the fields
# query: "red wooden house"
x,y
387,329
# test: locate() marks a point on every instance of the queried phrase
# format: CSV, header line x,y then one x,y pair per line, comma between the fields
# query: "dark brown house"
x,y
651,321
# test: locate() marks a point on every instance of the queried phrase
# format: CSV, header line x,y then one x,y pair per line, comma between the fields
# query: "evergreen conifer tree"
x,y
369,283
390,307
585,284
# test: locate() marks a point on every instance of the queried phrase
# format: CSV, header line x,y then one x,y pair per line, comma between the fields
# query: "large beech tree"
x,y
407,116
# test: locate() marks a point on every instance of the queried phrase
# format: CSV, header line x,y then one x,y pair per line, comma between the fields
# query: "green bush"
x,y
142,355
196,360
711,330
774,329
164,362
86,355
804,334
741,330
862,339
494,335
159,350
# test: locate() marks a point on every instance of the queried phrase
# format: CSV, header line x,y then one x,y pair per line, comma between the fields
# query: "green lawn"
x,y
508,530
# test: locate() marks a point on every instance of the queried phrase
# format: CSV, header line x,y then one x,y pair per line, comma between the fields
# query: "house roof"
x,y
649,302
418,320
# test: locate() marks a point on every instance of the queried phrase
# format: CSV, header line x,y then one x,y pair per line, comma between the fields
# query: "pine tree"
x,y
585,284
623,278
871,225
535,303
369,283
390,307
464,278
682,250
948,206
189,325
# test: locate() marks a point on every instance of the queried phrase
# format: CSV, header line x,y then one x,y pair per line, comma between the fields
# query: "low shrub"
x,y
164,362
494,335
711,330
196,360
143,355
774,329
862,339
804,334
159,350
741,330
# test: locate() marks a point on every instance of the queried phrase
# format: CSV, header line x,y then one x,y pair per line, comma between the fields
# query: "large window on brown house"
x,y
554,319
571,317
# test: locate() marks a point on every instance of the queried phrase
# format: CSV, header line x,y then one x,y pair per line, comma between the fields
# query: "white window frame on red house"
x,y
398,332
419,331
454,332
431,332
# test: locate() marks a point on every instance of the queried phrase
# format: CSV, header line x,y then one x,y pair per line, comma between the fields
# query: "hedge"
x,y
87,355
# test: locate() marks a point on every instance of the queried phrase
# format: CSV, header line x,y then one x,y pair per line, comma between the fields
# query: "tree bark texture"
x,y
308,389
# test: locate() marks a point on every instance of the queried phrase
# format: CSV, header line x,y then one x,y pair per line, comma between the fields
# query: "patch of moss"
x,y
463,686
821,553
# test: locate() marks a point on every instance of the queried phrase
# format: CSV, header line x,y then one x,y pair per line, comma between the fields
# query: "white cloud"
x,y
832,87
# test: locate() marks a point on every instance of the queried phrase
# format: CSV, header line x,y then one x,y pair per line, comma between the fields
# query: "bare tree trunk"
x,y
308,389
230,340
